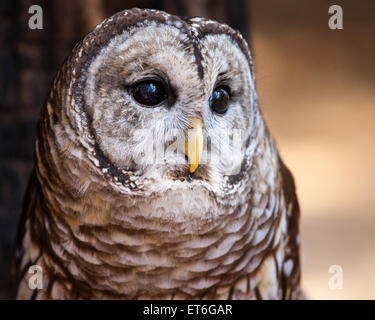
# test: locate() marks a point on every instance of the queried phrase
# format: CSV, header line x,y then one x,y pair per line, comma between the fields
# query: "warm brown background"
x,y
316,89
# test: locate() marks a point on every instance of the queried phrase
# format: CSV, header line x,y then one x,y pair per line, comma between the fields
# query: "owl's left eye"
x,y
149,93
219,99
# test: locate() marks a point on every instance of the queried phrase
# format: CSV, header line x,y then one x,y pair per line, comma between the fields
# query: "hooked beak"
x,y
194,144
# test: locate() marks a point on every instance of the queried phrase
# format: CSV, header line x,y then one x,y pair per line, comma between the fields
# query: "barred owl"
x,y
155,175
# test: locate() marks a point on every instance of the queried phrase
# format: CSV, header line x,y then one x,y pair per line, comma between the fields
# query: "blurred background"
x,y
316,89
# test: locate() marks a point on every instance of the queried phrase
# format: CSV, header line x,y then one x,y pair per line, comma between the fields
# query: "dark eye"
x,y
219,99
149,93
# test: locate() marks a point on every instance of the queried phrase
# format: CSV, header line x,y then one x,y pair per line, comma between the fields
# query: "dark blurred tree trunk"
x,y
29,59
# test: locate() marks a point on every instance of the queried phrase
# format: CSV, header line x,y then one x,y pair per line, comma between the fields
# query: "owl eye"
x,y
149,93
219,99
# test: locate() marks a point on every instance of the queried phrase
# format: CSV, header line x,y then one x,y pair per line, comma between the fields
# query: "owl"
x,y
155,174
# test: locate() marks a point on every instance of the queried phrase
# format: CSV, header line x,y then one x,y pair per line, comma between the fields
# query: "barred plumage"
x,y
102,225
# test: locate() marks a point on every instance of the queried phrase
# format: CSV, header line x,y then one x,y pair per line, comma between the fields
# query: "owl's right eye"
x,y
149,93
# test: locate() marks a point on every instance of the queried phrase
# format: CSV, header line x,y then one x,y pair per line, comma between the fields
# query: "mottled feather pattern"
x,y
104,227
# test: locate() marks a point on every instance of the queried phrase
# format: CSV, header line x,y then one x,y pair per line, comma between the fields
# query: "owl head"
x,y
157,102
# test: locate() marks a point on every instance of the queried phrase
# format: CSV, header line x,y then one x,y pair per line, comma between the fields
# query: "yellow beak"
x,y
194,144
